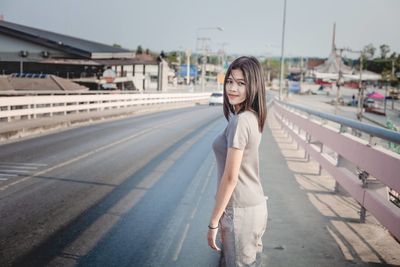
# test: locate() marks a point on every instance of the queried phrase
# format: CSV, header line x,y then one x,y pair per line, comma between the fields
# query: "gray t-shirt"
x,y
242,133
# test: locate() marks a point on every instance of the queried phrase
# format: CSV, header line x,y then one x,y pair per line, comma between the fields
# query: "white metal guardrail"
x,y
30,107
352,161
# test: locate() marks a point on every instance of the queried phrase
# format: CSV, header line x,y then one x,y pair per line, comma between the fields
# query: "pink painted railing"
x,y
351,152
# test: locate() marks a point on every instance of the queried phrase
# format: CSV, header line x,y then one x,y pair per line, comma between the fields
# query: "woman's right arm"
x,y
226,187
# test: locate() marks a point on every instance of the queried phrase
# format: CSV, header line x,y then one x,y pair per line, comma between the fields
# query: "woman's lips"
x,y
232,96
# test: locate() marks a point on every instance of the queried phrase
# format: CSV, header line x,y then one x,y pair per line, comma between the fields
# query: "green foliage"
x,y
172,57
213,60
139,50
272,66
384,49
369,51
117,45
383,63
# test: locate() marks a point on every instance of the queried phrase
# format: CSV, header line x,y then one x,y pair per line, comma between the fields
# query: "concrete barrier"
x,y
22,116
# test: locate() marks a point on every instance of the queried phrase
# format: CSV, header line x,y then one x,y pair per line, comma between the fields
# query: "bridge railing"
x,y
30,107
355,159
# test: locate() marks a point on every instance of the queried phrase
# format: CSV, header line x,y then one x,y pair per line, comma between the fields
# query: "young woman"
x,y
240,211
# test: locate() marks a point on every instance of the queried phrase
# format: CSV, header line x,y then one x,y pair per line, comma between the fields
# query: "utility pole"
x,y
188,66
204,51
360,84
339,81
384,101
386,87
203,67
360,105
301,70
392,88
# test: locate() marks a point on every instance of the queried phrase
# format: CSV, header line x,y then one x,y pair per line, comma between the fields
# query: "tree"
x,y
171,57
213,60
139,50
147,51
117,45
272,66
385,49
382,64
369,51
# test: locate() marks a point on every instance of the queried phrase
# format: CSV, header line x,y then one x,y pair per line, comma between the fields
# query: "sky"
x,y
251,27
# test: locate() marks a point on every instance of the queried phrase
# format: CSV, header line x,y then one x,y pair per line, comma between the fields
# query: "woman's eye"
x,y
241,84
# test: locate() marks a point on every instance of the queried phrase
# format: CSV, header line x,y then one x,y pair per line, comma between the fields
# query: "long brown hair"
x,y
255,89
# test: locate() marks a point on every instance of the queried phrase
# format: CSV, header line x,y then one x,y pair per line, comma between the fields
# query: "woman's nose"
x,y
233,87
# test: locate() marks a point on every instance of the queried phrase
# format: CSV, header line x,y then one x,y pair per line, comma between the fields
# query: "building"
x,y
24,49
334,69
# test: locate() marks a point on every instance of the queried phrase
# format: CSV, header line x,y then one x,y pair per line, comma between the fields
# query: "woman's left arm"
x,y
226,187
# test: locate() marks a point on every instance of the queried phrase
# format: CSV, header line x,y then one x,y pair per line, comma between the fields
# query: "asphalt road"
x,y
131,192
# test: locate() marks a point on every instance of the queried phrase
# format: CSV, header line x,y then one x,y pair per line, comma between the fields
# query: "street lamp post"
x,y
203,51
282,52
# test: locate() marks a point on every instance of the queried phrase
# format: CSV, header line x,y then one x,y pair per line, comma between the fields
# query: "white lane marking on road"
x,y
18,167
8,175
93,234
166,245
10,170
180,244
208,178
23,164
86,154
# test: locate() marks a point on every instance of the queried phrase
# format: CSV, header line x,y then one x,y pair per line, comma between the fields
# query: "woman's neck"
x,y
236,108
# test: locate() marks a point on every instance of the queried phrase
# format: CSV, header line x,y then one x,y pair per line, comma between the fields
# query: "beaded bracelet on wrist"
x,y
213,228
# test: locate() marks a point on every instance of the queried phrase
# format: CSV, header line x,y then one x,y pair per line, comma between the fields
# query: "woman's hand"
x,y
212,238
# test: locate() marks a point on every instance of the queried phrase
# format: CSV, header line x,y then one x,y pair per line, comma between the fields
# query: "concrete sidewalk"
x,y
308,224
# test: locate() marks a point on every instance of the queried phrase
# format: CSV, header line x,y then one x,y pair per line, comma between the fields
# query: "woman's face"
x,y
236,88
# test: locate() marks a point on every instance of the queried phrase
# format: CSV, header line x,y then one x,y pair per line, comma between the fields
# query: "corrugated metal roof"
x,y
60,41
131,61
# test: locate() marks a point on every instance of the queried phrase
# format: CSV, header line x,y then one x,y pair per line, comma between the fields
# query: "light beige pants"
x,y
241,233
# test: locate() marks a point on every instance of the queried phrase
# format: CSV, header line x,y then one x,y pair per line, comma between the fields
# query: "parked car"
x,y
369,103
216,98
